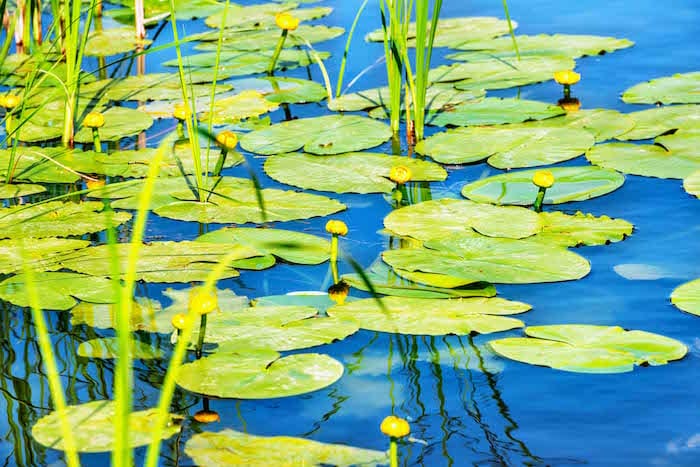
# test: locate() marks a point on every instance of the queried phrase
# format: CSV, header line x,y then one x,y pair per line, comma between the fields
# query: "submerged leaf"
x,y
108,348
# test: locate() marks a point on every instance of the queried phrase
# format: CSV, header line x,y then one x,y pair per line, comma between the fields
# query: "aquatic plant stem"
x,y
96,140
510,29
424,52
278,50
540,198
393,453
200,338
334,248
341,73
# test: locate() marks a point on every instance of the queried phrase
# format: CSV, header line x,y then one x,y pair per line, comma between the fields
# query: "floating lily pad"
x,y
17,190
229,447
58,290
493,111
444,217
282,89
496,260
45,164
331,134
687,297
581,229
386,281
677,158
16,67
146,315
507,146
161,261
240,106
294,247
603,124
246,63
154,86
569,45
589,349
108,348
39,254
369,174
92,425
437,98
453,32
316,299
57,219
659,120
681,88
259,374
114,41
434,317
262,15
263,39
571,184
691,184
184,9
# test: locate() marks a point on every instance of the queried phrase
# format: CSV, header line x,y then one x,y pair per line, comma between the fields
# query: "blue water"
x,y
466,406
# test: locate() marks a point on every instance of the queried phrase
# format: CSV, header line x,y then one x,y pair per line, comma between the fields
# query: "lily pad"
x,y
687,297
443,217
114,41
681,88
437,98
231,109
92,425
259,374
40,254
493,111
316,299
17,190
507,146
369,174
691,184
262,15
673,156
153,86
589,349
249,62
146,315
108,348
496,260
453,32
571,184
263,39
434,317
603,124
331,134
282,89
57,219
161,261
58,290
184,9
651,123
229,447
581,229
294,247
386,281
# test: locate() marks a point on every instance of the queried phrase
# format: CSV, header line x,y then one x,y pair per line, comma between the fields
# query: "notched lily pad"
x,y
493,111
651,123
589,349
17,190
691,183
437,98
262,15
231,109
246,63
687,297
108,348
114,41
581,229
153,87
681,88
264,39
603,124
41,254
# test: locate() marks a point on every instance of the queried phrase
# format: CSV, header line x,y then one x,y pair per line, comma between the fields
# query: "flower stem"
x,y
96,140
334,248
220,162
538,201
393,453
202,332
276,54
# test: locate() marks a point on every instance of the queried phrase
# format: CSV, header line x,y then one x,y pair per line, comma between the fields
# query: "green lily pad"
x,y
161,261
493,111
673,156
45,164
283,90
114,41
331,134
108,348
603,124
691,184
434,317
571,184
17,190
92,425
453,32
57,219
259,374
16,67
316,299
589,349
41,254
263,39
240,106
496,260
58,290
154,86
507,146
651,123
294,247
687,297
568,45
146,315
184,9
437,98
443,217
369,174
229,447
386,281
581,229
262,15
681,88
249,62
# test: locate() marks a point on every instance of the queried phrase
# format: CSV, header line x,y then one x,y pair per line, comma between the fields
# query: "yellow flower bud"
x,y
178,321
543,178
180,112
10,101
227,139
339,292
336,227
395,427
94,120
207,416
400,174
286,21
566,77
95,184
570,105
202,301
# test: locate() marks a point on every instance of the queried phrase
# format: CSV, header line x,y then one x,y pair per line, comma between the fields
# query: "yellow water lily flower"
x,y
179,111
207,416
202,301
395,427
336,227
95,184
179,321
286,21
227,139
566,77
543,178
94,120
400,174
10,101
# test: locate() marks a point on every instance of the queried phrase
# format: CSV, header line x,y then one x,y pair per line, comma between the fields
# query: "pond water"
x,y
466,406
